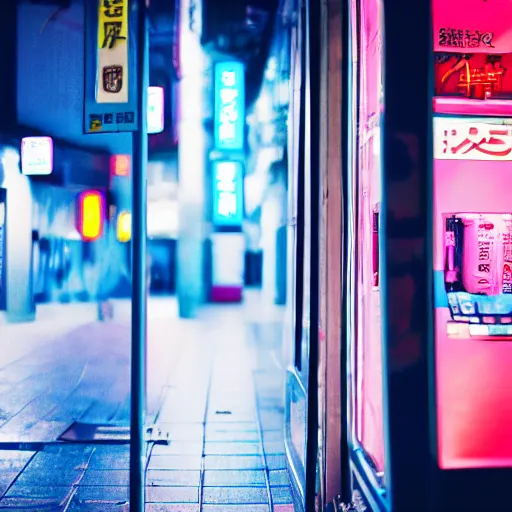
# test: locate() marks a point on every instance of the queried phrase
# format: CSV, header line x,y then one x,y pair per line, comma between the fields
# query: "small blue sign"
x,y
229,106
228,201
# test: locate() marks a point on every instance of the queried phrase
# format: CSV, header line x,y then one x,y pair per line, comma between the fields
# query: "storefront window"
x,y
369,414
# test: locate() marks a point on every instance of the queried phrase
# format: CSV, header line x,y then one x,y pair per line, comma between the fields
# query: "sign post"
x,y
116,97
139,200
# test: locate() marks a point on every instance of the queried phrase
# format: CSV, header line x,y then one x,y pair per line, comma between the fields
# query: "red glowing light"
x,y
120,165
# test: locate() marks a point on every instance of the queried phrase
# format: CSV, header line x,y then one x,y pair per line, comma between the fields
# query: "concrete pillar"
x,y
192,169
18,217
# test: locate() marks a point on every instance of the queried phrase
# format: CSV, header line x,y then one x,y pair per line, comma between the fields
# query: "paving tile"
x,y
241,404
48,462
182,415
30,492
172,494
78,506
270,402
16,456
232,448
235,495
183,431
179,448
281,495
168,478
106,477
242,426
233,462
279,477
284,508
273,447
109,461
111,449
172,507
175,462
271,420
35,504
6,479
242,417
233,435
102,493
226,478
276,462
59,477
235,508
273,435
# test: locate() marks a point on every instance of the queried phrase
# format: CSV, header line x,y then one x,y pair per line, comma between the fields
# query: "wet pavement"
x,y
215,384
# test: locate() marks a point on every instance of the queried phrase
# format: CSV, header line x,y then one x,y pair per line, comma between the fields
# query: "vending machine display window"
x,y
368,360
472,210
473,56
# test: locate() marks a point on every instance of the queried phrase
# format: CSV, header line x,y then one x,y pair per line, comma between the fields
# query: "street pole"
x,y
139,200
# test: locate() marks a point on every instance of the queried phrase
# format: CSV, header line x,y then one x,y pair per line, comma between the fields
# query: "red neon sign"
x,y
120,165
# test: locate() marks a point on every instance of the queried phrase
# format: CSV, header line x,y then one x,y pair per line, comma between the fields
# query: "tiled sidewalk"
x,y
224,411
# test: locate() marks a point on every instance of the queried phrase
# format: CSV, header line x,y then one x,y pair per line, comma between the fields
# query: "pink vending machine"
x,y
473,232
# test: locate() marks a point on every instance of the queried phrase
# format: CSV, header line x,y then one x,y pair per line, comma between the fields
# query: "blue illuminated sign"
x,y
228,204
229,105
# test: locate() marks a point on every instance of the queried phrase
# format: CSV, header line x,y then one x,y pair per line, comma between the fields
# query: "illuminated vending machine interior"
x,y
473,232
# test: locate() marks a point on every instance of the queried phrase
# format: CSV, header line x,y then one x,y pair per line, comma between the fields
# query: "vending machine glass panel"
x,y
368,403
472,210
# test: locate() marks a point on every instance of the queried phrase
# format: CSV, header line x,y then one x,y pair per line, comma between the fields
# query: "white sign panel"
x,y
228,253
469,140
155,109
37,156
112,53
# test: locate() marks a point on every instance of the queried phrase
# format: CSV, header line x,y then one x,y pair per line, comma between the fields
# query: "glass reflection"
x,y
369,413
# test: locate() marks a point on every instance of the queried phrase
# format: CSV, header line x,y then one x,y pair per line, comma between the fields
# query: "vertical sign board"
x,y
3,246
229,106
228,194
110,77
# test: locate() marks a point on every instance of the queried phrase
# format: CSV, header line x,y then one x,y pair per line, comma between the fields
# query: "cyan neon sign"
x,y
228,202
229,105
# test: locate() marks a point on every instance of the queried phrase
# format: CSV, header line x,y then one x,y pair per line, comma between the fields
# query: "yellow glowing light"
x,y
124,227
91,216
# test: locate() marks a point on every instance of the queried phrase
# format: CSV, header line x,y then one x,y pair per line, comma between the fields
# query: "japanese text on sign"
x,y
229,106
112,70
227,194
113,23
461,38
472,141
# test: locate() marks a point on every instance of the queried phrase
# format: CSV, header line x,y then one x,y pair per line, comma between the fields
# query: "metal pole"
x,y
139,199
